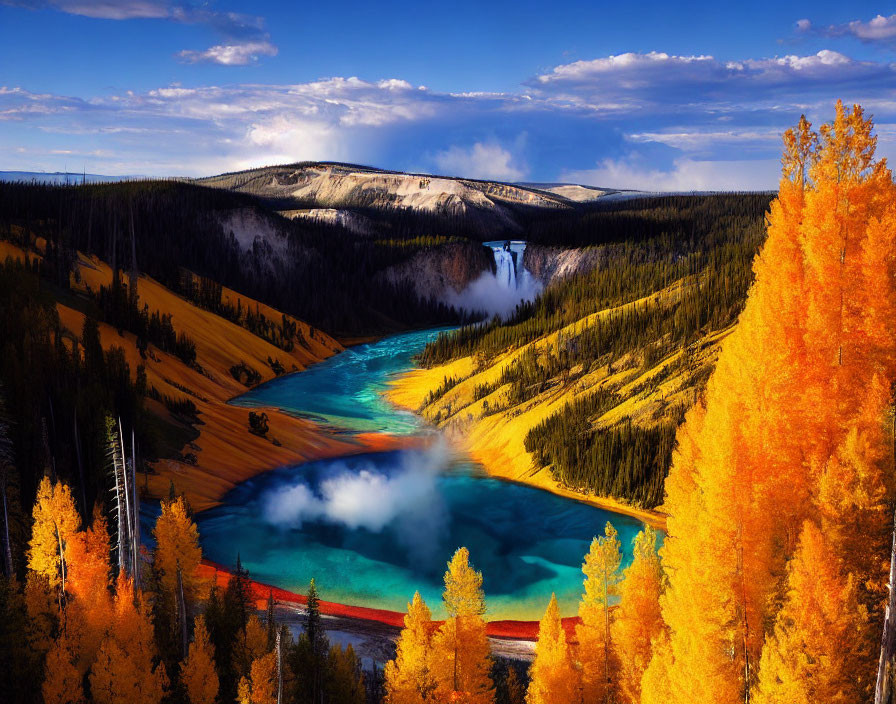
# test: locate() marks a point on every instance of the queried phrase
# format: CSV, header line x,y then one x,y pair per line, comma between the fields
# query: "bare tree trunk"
x,y
135,527
882,692
86,508
7,547
127,499
279,671
182,613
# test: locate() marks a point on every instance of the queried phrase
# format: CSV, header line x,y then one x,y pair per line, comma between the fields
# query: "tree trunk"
x,y
882,692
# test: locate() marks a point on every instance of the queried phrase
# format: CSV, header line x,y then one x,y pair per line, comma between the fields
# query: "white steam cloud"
x,y
404,498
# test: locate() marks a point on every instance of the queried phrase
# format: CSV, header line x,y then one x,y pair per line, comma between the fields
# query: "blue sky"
x,y
652,95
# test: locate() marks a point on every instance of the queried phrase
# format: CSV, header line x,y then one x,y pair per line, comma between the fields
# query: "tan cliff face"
x,y
435,271
550,263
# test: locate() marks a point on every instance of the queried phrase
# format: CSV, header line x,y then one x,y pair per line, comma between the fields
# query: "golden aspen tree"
x,y
552,677
177,549
779,436
461,655
595,654
408,678
811,655
637,620
126,670
56,519
62,681
197,671
244,691
43,613
656,680
89,610
264,680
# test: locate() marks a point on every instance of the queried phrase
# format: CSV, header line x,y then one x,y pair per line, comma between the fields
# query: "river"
x,y
373,528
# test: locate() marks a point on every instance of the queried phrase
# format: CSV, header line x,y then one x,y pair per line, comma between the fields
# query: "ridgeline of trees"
x,y
317,272
707,243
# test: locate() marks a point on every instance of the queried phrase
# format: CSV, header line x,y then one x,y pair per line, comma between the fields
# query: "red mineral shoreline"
x,y
516,630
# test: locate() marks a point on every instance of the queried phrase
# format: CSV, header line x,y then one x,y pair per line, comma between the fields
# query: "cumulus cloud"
x,y
231,54
685,175
685,112
878,29
485,161
659,81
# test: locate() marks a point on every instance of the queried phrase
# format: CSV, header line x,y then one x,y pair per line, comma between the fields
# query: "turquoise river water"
x,y
373,528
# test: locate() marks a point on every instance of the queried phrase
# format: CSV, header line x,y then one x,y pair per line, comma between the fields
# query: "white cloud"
x,y
686,175
230,54
485,161
689,139
878,29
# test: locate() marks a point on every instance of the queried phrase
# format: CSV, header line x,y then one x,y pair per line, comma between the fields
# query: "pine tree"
x,y
637,620
408,677
461,659
595,652
552,677
198,669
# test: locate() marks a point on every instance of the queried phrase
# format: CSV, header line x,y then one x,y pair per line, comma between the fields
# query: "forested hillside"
x,y
592,379
316,271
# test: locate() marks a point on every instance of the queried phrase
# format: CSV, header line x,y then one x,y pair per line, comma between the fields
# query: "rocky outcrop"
x,y
307,187
550,263
433,272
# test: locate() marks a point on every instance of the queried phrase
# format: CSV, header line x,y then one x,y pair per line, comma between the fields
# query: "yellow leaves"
x,y
461,658
553,679
408,677
177,548
595,655
463,587
601,569
55,520
264,680
638,621
198,669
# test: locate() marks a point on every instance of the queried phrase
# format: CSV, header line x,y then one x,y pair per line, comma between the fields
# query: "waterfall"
x,y
499,293
505,264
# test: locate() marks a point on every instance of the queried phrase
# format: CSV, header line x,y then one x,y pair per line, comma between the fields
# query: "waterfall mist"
x,y
499,293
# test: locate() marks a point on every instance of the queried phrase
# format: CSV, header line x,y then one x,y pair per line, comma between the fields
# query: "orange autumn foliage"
x,y
62,681
89,608
814,652
197,671
792,421
127,670
461,658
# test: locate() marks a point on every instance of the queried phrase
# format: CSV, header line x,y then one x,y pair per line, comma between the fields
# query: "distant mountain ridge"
x,y
61,177
301,189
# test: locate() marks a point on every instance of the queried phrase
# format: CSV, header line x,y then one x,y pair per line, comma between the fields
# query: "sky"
x,y
649,95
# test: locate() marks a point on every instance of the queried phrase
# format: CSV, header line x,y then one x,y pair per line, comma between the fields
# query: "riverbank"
x,y
498,446
377,628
